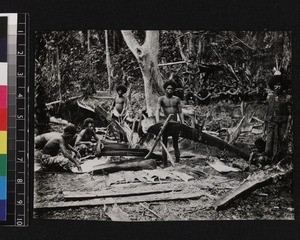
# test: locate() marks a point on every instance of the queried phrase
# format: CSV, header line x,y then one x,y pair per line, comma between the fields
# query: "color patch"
x,y
3,165
2,209
3,73
3,119
2,187
3,142
3,39
3,96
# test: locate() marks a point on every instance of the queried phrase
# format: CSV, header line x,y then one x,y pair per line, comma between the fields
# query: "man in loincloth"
x,y
87,141
119,107
119,104
55,150
278,119
170,104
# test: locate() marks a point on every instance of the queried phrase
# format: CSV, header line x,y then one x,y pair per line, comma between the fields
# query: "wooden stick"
x,y
159,135
150,210
104,194
255,181
257,119
109,201
171,63
168,154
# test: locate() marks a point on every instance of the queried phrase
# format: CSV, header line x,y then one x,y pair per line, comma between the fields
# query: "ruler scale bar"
x,y
17,121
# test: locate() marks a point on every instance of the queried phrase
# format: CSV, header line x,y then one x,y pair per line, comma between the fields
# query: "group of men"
x,y
197,91
277,125
60,151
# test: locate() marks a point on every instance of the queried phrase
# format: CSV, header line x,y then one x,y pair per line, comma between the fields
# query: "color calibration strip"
x,y
3,118
17,120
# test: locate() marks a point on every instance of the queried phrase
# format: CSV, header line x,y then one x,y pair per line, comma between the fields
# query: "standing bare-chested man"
x,y
120,104
119,107
170,104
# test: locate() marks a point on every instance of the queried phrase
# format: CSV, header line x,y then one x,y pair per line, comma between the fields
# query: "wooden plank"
x,y
234,136
132,166
253,182
109,201
109,193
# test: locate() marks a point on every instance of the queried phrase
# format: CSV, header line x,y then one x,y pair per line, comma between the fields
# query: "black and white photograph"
x,y
163,125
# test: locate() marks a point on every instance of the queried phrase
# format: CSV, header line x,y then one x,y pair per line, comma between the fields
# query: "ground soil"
x,y
274,201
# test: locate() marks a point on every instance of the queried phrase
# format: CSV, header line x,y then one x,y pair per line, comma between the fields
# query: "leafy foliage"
x,y
73,63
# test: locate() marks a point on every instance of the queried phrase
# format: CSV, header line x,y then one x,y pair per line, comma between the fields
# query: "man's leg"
x,y
176,148
164,154
269,141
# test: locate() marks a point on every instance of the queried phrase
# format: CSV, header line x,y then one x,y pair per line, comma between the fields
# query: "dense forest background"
x,y
73,62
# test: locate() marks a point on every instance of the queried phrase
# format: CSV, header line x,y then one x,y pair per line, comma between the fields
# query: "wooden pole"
x,y
108,63
171,63
159,135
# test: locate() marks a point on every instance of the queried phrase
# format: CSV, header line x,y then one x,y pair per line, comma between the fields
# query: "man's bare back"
x,y
53,146
41,140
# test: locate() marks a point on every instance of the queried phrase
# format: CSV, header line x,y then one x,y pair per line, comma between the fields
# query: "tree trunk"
x,y
58,73
147,57
108,63
184,57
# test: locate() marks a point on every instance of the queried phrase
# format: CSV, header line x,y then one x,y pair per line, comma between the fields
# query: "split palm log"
x,y
164,126
127,152
128,166
253,182
196,135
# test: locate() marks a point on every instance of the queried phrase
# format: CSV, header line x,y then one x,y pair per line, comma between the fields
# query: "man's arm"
x,y
179,109
124,106
79,137
68,155
98,146
69,147
158,109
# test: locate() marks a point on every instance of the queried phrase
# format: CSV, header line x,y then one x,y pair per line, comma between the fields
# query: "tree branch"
x,y
131,42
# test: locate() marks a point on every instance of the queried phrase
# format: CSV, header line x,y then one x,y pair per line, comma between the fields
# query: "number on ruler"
x,y
20,52
19,180
20,95
20,201
20,159
19,221
20,74
20,116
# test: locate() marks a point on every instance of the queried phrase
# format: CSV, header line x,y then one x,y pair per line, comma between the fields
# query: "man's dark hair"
x,y
169,83
121,87
69,130
260,144
279,79
87,121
